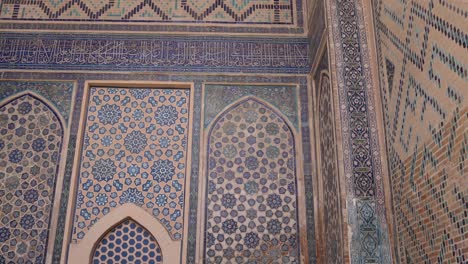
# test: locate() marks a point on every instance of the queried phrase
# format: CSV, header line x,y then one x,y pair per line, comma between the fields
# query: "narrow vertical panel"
x,y
31,136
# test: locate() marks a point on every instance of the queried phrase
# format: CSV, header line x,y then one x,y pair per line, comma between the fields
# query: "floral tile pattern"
x,y
128,243
30,143
251,197
134,151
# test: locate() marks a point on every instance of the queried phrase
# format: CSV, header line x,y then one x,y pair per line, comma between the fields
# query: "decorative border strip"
x,y
194,175
152,53
59,236
362,161
164,26
308,181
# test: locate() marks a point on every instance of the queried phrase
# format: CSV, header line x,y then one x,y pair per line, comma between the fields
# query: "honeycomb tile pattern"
x,y
251,191
329,174
219,11
422,55
30,143
128,242
134,151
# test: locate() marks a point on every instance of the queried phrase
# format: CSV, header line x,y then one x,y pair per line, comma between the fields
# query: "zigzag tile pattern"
x,y
423,55
255,12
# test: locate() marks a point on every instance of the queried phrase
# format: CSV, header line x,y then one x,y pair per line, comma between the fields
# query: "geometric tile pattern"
x,y
331,194
217,11
220,95
30,144
251,191
122,52
198,80
422,55
134,151
367,222
127,243
363,180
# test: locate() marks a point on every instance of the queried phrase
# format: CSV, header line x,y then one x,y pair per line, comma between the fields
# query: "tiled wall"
x,y
423,62
422,58
316,25
125,159
134,148
127,241
329,171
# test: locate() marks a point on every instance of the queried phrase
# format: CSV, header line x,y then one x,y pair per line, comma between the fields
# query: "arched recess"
x,y
31,144
251,198
329,207
87,246
127,242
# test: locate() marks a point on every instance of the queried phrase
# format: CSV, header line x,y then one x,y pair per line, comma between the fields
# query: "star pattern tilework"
x,y
251,197
134,151
30,143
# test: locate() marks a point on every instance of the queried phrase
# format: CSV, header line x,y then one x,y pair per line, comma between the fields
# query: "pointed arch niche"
x,y
127,242
122,221
250,186
31,146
